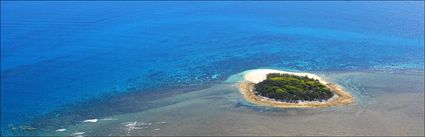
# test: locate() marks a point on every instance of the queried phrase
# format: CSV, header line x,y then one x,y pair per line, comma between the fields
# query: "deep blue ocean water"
x,y
58,53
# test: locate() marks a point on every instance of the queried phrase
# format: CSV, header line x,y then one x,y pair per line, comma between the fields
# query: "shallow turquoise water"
x,y
56,54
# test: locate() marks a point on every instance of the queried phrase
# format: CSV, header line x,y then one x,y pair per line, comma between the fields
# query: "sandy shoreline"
x,y
252,77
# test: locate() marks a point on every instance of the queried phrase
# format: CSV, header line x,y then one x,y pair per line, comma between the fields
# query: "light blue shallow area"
x,y
59,53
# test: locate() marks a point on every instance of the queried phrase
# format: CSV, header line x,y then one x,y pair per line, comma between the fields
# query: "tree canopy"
x,y
291,88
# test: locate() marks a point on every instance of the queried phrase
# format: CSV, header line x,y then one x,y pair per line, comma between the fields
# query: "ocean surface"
x,y
162,68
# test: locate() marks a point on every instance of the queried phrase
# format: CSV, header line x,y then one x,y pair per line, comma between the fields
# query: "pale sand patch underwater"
x,y
251,77
387,104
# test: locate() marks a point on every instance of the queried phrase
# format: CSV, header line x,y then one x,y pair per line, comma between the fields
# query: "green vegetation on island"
x,y
291,88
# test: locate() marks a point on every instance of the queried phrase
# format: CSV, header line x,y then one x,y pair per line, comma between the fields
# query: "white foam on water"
x,y
78,133
61,130
131,126
107,119
143,123
90,120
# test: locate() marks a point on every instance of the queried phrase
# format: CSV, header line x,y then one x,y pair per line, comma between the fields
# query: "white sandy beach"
x,y
258,75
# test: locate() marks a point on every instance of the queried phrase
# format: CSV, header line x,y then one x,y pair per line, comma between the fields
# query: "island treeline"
x,y
292,88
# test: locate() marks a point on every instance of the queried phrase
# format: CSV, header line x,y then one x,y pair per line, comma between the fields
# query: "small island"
x,y
268,87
